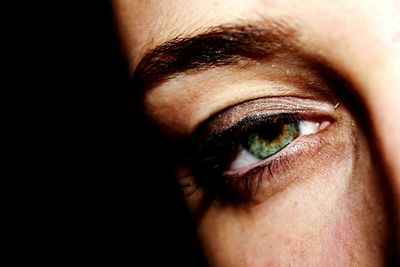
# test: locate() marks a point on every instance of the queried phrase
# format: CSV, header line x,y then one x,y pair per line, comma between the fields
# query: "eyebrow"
x,y
218,46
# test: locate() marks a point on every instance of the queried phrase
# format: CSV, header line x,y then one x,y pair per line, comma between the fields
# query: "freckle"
x,y
295,204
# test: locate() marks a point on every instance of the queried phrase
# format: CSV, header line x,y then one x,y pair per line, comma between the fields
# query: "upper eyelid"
x,y
259,120
220,88
266,106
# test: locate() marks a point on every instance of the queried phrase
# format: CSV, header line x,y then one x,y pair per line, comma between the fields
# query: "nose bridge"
x,y
382,96
381,92
368,54
369,58
383,99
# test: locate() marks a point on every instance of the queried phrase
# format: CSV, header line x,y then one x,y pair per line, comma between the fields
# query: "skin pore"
x,y
320,200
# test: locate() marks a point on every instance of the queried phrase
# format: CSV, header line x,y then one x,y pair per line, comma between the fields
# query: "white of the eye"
x,y
308,127
245,159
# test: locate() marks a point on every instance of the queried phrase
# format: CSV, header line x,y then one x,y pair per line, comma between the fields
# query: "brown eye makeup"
x,y
235,153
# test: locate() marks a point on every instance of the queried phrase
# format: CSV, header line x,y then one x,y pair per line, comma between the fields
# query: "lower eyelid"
x,y
271,173
282,153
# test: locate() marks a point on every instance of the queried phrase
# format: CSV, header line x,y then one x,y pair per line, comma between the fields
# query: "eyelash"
x,y
244,187
209,159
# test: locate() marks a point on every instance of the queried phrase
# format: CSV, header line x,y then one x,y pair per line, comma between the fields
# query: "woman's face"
x,y
283,116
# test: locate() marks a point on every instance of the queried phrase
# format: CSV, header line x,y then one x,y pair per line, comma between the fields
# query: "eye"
x,y
254,145
267,141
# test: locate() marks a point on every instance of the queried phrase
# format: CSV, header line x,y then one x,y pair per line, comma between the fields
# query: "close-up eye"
x,y
261,144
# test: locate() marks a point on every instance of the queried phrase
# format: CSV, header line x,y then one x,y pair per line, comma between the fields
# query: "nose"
x,y
370,59
382,95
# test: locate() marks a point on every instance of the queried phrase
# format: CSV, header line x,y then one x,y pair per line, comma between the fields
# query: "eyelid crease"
x,y
271,106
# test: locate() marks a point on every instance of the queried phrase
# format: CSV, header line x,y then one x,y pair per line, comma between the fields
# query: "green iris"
x,y
269,141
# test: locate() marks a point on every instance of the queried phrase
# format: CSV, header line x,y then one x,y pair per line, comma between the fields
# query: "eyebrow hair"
x,y
217,46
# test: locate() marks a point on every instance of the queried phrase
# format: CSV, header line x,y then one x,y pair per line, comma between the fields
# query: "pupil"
x,y
271,133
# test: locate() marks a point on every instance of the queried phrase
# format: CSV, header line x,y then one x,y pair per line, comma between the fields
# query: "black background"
x,y
91,185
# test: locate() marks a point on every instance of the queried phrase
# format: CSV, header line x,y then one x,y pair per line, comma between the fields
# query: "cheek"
x,y
331,218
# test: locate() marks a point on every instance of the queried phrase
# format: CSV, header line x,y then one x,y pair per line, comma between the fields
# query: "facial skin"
x,y
334,197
